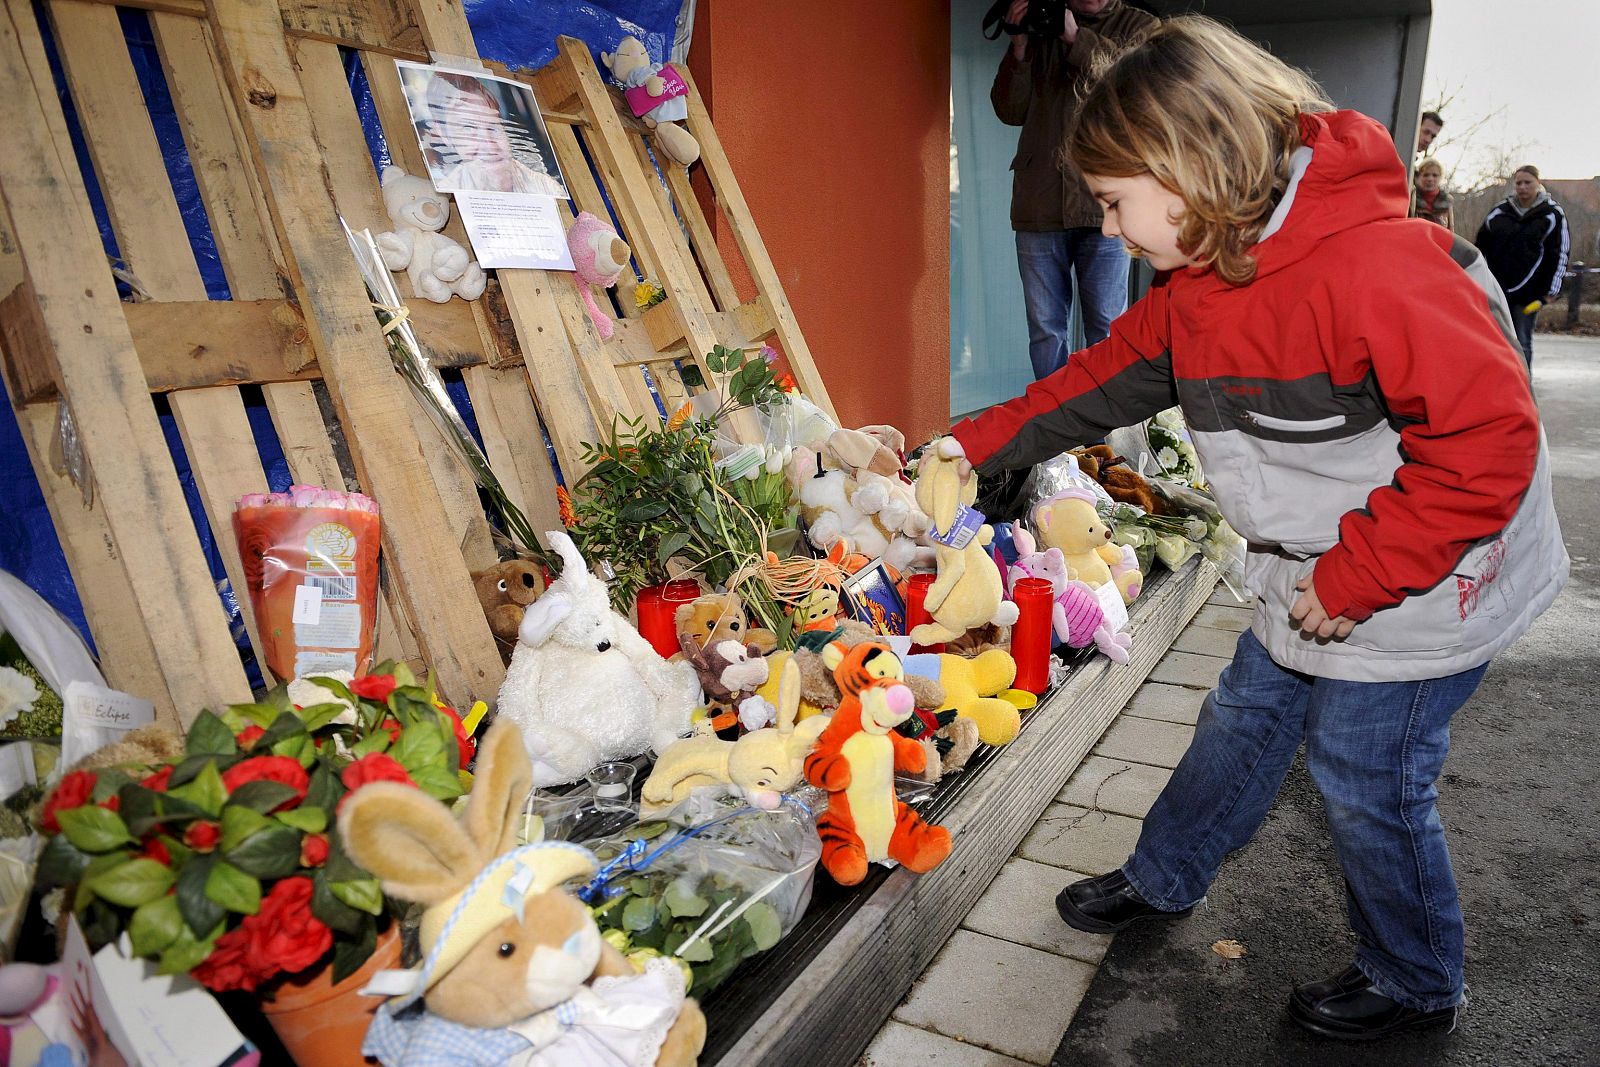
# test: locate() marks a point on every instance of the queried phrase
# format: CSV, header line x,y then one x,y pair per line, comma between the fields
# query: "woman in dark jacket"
x,y
1525,242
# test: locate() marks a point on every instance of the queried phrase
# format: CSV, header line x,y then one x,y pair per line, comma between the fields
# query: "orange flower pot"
x,y
322,1024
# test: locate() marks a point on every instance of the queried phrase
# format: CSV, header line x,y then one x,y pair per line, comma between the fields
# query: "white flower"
x,y
305,693
17,694
1168,458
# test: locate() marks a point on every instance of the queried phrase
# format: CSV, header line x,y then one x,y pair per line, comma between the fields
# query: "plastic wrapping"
x,y
1160,447
1055,476
522,33
711,891
311,565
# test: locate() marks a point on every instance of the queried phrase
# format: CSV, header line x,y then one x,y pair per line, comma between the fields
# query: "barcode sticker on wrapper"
x,y
311,564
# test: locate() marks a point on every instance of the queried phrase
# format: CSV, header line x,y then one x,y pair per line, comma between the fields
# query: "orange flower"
x,y
679,417
786,382
569,518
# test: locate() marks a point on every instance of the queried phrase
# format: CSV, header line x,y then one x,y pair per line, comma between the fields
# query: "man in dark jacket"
x,y
1056,218
1525,242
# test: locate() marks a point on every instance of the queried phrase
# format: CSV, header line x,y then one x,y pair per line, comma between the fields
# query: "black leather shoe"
x,y
1346,1007
1107,904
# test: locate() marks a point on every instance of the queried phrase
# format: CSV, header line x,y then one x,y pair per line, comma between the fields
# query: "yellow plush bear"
x,y
970,686
1069,522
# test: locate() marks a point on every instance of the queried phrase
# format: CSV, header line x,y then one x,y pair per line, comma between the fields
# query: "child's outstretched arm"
x,y
1455,380
1121,381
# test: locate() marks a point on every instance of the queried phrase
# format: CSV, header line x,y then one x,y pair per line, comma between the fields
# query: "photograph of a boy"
x,y
481,134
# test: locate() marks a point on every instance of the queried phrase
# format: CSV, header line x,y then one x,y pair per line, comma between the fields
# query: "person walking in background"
x,y
1428,129
1525,241
1428,198
1060,249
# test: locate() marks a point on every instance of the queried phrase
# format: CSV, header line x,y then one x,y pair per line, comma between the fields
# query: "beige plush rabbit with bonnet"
x,y
514,970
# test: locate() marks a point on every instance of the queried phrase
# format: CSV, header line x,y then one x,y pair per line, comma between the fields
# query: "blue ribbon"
x,y
636,858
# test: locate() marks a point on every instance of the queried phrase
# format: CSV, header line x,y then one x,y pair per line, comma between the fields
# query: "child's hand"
x,y
1312,620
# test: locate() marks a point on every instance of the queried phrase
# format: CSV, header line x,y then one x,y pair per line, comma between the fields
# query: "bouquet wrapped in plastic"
x,y
710,894
311,565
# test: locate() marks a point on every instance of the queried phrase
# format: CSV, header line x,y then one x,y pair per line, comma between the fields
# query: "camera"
x,y
1045,19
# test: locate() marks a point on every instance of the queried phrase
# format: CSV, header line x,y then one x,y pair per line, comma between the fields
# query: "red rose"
x,y
159,780
270,769
155,850
112,802
393,727
202,836
249,736
313,850
73,792
373,767
463,740
376,687
230,965
284,935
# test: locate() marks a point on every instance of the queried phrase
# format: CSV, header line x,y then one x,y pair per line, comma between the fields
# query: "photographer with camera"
x,y
1054,45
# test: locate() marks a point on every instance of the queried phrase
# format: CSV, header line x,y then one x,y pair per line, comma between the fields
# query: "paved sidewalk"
x,y
1007,983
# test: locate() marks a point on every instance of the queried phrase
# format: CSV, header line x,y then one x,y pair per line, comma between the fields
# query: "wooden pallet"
x,y
277,149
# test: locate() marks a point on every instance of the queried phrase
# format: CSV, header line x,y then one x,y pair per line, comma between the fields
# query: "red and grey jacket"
x,y
1360,408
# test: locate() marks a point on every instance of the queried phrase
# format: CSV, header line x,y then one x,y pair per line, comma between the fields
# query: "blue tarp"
x,y
519,33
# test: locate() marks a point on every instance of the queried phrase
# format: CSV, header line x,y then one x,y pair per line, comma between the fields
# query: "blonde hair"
x,y
1431,164
1211,116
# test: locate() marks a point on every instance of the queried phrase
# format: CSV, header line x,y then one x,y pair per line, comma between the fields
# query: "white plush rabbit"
x,y
583,686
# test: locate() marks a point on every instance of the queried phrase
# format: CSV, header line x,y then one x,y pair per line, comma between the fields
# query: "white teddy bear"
x,y
584,686
437,266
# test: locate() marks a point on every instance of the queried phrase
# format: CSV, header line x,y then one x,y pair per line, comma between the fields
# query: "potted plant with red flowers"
x,y
226,864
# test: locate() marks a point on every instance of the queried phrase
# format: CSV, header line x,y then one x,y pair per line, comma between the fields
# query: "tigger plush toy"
x,y
855,760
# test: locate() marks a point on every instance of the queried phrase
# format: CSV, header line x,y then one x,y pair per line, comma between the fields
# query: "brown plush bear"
x,y
505,591
1121,482
718,617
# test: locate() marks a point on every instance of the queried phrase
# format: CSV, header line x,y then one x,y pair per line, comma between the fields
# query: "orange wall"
x,y
835,116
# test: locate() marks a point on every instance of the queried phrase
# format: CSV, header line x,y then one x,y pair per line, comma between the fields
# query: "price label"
x,y
307,605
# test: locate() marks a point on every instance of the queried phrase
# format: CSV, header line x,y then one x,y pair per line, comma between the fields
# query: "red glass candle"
x,y
1030,637
916,611
655,607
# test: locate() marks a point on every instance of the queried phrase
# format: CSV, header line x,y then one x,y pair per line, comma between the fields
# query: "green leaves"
x,y
133,883
363,895
143,808
261,795
209,735
332,912
206,791
272,852
187,949
155,926
199,911
642,510
312,820
348,956
61,863
239,822
232,888
92,828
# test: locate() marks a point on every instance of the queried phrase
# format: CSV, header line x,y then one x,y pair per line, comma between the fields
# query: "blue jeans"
x,y
1523,322
1048,263
1374,749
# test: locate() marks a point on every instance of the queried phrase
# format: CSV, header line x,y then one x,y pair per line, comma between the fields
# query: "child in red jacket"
x,y
1382,456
